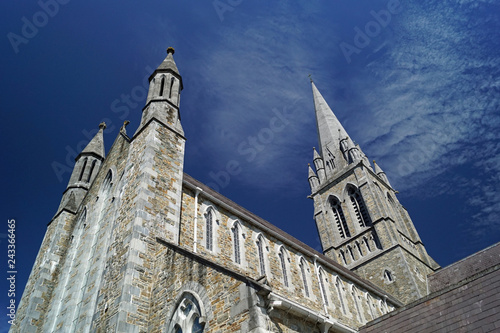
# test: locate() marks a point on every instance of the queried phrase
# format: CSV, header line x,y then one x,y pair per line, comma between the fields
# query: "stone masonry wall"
x,y
44,276
341,300
150,208
75,297
370,250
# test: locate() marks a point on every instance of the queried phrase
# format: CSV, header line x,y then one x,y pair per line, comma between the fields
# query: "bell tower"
x,y
360,221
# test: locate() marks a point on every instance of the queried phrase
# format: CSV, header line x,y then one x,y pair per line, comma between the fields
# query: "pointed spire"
x,y
313,179
377,168
319,164
96,145
329,127
381,173
169,63
316,155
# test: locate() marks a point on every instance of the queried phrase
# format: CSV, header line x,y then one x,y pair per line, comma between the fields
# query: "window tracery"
x,y
188,317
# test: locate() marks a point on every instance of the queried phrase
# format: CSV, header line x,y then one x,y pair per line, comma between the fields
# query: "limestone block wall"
x,y
229,302
349,301
370,250
75,296
150,208
44,276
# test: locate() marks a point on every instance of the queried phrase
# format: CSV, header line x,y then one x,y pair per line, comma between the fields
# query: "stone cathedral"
x,y
137,245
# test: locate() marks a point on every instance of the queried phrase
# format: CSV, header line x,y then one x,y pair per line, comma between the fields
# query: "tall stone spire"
x,y
362,225
335,145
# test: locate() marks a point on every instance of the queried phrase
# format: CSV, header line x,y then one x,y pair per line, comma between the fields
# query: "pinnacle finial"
x,y
170,50
122,129
102,125
310,78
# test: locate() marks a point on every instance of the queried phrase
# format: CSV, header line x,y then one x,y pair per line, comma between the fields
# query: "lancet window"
x,y
283,258
304,276
358,207
339,218
209,230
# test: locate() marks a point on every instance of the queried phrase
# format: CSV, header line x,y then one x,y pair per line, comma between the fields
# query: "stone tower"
x,y
360,221
94,269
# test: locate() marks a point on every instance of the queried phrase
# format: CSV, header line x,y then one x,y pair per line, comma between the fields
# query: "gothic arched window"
x,y
106,185
322,285
162,85
260,249
330,162
358,207
367,244
388,276
369,300
304,276
358,246
338,216
172,80
355,297
236,243
83,169
188,317
340,291
91,170
342,256
209,229
283,258
349,250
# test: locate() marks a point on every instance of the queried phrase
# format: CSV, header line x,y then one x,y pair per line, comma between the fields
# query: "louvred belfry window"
x,y
339,218
359,208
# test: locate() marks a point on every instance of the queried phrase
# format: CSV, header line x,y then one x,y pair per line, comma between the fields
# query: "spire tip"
x,y
102,125
170,50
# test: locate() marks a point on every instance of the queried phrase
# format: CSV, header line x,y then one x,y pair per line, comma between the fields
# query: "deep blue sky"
x,y
420,95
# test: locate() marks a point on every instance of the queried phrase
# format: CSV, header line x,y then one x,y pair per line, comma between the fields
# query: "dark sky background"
x,y
415,83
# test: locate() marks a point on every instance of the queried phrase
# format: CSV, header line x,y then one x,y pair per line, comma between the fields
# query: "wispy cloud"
x,y
436,106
